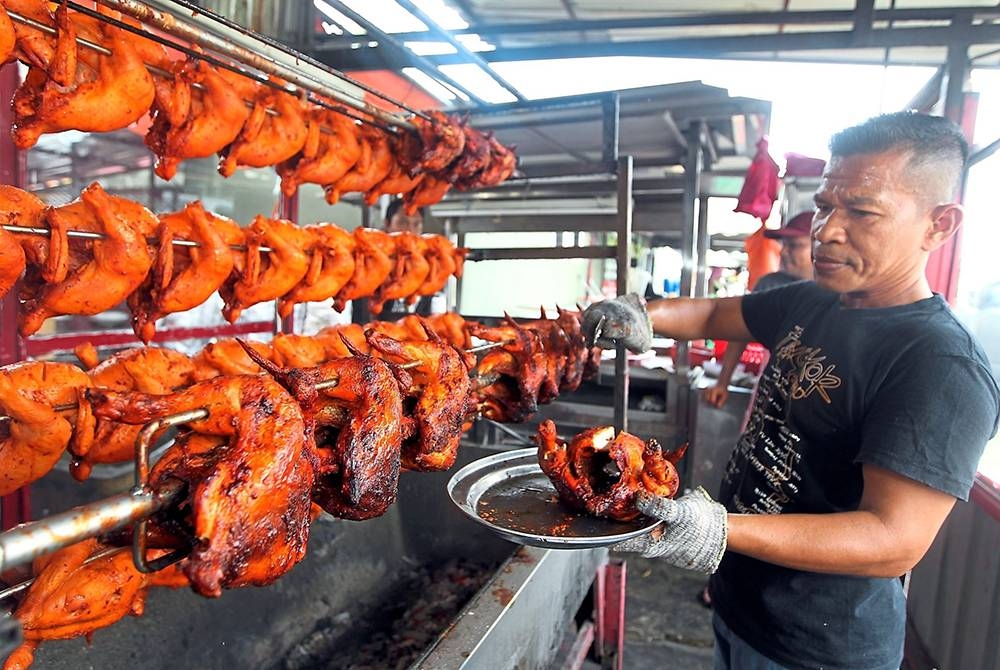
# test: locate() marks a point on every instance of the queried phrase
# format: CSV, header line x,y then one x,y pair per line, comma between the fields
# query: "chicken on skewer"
x,y
271,275
247,509
452,328
475,158
520,359
429,191
326,156
556,346
442,139
336,340
409,270
11,261
580,470
80,89
8,37
191,122
373,164
400,180
227,357
443,394
373,261
439,253
267,139
20,208
71,597
331,265
36,435
184,277
148,370
577,352
91,276
357,425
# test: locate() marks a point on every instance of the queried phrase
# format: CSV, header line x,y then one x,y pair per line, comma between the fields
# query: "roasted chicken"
x,y
227,357
90,276
275,131
399,180
439,253
442,139
71,597
428,192
20,208
75,88
343,341
520,359
476,156
576,353
7,37
36,435
11,261
332,147
146,369
443,394
452,328
184,277
190,122
270,275
373,164
331,265
601,473
247,510
374,254
408,273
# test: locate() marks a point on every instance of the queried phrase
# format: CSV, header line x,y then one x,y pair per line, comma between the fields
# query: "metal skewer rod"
x,y
255,53
160,72
88,235
21,586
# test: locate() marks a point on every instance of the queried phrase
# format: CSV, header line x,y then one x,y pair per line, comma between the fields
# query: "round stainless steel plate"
x,y
509,493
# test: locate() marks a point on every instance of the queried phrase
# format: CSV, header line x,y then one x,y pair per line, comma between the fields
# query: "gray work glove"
x,y
623,318
693,535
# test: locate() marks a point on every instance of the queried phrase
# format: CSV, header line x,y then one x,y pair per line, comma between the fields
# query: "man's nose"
x,y
827,228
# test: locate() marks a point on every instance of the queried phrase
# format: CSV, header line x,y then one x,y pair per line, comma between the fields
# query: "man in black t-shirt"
x,y
870,420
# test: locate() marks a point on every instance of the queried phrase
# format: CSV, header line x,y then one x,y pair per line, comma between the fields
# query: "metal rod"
x,y
88,235
197,28
624,265
24,543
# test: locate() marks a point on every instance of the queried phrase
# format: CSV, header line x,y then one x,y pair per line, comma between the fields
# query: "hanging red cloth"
x,y
760,186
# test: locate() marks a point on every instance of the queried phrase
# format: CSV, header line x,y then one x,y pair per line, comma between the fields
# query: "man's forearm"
x,y
854,543
697,318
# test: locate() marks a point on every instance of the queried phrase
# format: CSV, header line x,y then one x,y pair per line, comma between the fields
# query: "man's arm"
x,y
697,318
891,531
717,395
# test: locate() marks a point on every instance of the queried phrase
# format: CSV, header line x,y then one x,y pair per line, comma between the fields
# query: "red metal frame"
x,y
609,613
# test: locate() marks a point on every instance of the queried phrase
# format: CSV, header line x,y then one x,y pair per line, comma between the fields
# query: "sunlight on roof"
x,y
810,101
479,82
429,84
445,16
340,22
387,15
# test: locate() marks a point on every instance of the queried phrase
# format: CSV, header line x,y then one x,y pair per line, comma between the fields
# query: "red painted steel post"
x,y
609,613
289,209
16,507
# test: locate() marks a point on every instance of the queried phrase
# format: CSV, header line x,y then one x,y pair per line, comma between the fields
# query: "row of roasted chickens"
x,y
274,449
136,257
199,110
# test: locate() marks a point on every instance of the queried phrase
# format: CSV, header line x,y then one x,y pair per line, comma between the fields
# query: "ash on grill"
x,y
395,632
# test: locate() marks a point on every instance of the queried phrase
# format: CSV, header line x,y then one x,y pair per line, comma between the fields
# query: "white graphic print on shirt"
x,y
768,446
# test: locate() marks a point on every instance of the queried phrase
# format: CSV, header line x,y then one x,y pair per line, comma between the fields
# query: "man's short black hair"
x,y
932,142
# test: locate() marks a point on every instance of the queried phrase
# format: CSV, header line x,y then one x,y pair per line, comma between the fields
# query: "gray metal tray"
x,y
509,493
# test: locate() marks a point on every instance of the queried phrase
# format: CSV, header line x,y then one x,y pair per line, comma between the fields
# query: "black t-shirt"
x,y
906,388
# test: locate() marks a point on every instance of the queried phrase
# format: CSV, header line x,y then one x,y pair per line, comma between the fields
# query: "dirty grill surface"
x,y
393,633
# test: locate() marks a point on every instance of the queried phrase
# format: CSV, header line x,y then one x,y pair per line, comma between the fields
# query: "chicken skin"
x,y
577,352
519,358
404,174
579,470
409,270
267,139
184,277
443,394
70,598
475,158
452,328
267,275
77,88
372,166
247,510
146,369
11,261
191,122
332,147
556,346
342,341
91,276
7,37
374,255
331,265
34,438
442,138
227,357
439,253
502,163
429,191
20,208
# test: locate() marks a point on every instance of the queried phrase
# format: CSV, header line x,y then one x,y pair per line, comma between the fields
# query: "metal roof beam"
x,y
472,57
713,47
864,11
710,19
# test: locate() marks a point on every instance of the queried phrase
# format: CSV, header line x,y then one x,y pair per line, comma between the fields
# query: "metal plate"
x,y
509,493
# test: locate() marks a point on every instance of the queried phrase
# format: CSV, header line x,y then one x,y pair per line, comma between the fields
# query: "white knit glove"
x,y
621,319
693,535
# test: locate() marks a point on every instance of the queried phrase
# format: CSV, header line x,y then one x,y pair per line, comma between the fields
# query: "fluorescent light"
x,y
476,80
430,48
332,28
429,84
338,17
442,14
387,15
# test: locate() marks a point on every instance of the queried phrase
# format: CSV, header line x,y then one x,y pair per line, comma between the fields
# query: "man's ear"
x,y
945,221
